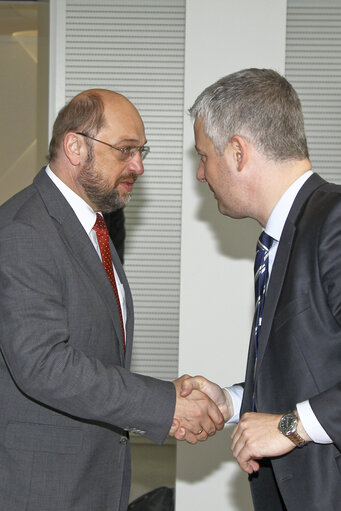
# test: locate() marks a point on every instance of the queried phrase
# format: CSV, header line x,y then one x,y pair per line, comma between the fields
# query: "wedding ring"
x,y
199,432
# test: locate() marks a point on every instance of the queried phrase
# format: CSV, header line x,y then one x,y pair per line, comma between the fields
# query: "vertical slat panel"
x,y
313,66
136,47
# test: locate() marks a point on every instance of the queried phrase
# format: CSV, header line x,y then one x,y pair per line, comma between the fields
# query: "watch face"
x,y
288,423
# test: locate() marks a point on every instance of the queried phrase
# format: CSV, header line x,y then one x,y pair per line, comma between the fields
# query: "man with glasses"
x,y
68,400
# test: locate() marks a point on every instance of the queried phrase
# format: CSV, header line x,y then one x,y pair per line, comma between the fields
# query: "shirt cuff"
x,y
236,392
311,424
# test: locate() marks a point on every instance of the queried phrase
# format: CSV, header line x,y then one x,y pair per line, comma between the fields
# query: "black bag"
x,y
160,499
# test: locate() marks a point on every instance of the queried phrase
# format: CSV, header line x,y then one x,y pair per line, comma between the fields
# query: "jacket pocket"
x,y
29,436
290,310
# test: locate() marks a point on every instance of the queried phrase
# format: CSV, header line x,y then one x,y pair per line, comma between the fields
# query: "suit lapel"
x,y
80,247
281,262
275,286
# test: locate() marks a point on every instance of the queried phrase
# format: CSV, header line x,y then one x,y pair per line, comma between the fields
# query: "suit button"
x,y
123,440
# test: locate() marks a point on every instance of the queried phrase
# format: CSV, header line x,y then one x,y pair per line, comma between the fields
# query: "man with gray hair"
x,y
249,134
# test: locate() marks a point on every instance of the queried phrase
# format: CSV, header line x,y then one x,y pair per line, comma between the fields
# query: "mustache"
x,y
131,176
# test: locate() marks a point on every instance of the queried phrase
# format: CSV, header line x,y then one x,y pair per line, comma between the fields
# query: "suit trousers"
x,y
264,483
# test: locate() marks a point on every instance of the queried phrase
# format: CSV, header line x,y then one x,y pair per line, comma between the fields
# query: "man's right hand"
x,y
219,396
196,416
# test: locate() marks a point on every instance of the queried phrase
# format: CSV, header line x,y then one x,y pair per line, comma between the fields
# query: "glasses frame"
x,y
143,149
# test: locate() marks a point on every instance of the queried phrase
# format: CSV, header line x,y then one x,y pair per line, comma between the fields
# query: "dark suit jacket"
x,y
67,397
300,345
116,226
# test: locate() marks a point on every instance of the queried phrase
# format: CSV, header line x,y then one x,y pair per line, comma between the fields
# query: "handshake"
x,y
201,409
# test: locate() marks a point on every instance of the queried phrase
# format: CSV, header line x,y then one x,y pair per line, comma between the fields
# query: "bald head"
x,y
89,112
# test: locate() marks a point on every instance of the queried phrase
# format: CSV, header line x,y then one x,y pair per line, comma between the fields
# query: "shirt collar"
x,y
279,214
83,211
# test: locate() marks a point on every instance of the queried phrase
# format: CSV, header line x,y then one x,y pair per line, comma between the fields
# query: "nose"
x,y
136,164
201,172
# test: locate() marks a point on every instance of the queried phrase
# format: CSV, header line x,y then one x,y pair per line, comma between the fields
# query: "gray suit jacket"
x,y
67,397
299,354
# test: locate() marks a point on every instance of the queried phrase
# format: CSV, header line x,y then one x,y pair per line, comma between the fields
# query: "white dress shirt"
x,y
274,228
87,217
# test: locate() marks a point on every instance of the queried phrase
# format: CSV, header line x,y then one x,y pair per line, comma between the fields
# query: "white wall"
x,y
222,36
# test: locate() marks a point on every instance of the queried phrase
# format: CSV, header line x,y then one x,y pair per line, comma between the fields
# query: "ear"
x,y
73,148
240,152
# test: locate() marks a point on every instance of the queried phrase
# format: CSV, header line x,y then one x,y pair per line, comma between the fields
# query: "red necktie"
x,y
103,243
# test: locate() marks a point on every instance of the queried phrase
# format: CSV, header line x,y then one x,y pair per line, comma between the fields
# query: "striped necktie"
x,y
261,280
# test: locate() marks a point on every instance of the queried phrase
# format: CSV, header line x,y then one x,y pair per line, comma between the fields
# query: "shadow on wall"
x,y
211,463
215,453
236,239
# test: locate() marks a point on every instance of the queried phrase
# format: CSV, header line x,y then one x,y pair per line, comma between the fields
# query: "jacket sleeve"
x,y
327,404
49,364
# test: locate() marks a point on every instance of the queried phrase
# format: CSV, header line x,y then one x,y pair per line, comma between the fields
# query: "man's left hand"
x,y
257,436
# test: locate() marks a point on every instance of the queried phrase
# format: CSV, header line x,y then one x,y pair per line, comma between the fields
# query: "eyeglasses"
x,y
127,153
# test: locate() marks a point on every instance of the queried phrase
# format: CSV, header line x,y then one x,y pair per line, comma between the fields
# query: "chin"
x,y
126,198
223,210
237,215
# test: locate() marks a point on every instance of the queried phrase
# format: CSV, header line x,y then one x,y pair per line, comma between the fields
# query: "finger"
x,y
239,454
234,432
191,438
188,436
235,440
201,413
238,444
182,378
203,436
236,450
235,436
188,385
174,428
211,417
243,453
248,464
224,412
185,377
216,416
254,465
180,434
246,467
178,381
209,426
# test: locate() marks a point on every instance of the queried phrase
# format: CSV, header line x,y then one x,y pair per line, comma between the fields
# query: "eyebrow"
x,y
132,141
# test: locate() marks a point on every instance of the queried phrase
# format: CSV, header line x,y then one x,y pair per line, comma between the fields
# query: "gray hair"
x,y
258,104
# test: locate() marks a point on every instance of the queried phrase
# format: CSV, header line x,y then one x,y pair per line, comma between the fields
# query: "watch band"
x,y
297,439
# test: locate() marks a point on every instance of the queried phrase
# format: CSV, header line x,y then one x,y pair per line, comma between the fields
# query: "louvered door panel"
x,y
313,66
136,47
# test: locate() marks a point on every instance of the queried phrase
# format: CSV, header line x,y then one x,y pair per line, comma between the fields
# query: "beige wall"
x,y
18,117
23,105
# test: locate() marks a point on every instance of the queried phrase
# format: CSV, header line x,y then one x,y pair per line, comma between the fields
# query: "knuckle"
x,y
192,441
